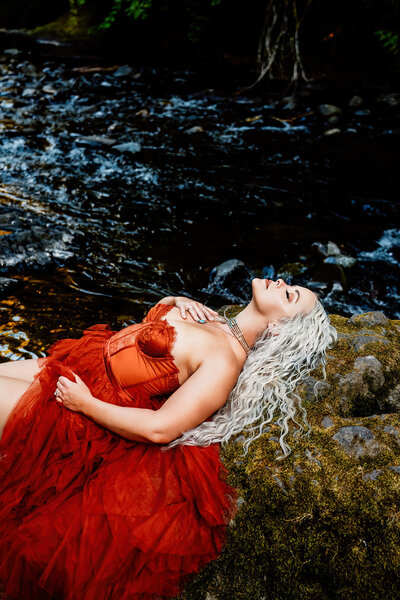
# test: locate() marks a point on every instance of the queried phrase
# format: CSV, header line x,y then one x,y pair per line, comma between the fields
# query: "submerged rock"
x,y
230,282
326,518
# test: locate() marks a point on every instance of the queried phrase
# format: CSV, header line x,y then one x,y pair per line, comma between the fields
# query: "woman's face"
x,y
276,299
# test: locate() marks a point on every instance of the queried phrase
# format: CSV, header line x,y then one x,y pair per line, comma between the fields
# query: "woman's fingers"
x,y
197,310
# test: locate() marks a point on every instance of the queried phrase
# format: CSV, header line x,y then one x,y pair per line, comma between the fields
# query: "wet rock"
x,y
195,129
96,140
12,51
329,109
362,113
34,243
129,147
392,99
342,260
355,101
123,71
230,282
143,112
395,468
327,249
29,92
7,285
49,89
358,441
289,102
333,131
370,319
333,120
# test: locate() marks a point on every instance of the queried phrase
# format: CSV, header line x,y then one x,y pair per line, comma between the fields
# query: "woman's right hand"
x,y
197,310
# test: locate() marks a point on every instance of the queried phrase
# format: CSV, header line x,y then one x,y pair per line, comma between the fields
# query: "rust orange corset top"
x,y
139,361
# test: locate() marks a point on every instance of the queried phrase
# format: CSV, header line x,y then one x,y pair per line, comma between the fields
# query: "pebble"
x,y
392,99
327,422
332,131
355,101
123,71
329,109
96,140
131,147
49,89
12,51
195,129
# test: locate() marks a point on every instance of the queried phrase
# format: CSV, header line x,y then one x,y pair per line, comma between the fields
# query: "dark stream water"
x,y
93,232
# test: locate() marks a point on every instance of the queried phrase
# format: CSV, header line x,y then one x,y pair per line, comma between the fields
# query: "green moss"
x,y
313,526
69,25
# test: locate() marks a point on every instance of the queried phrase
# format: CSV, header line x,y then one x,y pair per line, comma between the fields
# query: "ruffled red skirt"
x,y
87,515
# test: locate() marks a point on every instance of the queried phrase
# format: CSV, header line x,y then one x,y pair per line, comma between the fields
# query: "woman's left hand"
x,y
72,394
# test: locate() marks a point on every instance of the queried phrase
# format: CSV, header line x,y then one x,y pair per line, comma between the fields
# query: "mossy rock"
x,y
78,27
324,523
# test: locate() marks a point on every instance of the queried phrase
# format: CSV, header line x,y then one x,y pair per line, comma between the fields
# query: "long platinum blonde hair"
x,y
274,367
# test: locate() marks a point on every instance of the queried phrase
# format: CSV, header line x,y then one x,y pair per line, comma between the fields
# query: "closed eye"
x,y
287,295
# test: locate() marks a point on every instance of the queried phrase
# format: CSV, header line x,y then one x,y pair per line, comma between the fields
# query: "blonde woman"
x,y
110,477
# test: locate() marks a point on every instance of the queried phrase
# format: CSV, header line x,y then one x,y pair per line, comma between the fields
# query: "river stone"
x,y
130,147
96,140
369,319
329,109
357,441
333,131
195,129
123,71
392,99
355,101
230,282
342,260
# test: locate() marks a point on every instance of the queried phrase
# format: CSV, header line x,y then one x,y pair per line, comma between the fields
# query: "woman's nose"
x,y
280,282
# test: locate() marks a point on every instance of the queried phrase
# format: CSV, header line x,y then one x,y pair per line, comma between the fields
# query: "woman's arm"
x,y
197,399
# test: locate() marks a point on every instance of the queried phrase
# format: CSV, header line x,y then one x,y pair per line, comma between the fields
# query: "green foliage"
x,y
197,12
389,39
138,9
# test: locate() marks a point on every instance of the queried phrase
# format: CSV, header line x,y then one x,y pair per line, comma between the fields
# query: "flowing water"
x,y
119,187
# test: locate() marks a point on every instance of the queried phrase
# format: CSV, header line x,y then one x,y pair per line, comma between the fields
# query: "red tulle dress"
x,y
88,515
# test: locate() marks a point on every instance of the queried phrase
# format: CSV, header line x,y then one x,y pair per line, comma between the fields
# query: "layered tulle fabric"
x,y
88,515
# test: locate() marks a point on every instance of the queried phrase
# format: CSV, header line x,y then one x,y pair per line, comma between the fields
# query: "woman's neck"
x,y
251,323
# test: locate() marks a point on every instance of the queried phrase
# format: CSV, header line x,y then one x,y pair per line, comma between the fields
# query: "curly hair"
x,y
274,367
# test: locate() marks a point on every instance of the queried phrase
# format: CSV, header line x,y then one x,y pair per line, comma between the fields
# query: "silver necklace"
x,y
234,327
